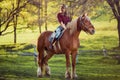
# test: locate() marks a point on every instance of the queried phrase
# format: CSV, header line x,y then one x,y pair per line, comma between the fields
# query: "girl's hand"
x,y
63,25
65,28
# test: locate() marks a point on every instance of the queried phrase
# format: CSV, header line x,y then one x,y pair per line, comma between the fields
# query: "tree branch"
x,y
111,3
117,2
13,31
11,14
35,3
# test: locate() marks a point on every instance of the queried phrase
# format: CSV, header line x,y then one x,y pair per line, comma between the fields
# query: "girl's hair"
x,y
64,7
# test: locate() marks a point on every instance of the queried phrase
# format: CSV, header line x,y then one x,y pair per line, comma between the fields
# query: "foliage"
x,y
28,15
8,13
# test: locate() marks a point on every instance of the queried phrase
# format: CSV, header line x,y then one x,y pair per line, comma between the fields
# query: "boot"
x,y
51,43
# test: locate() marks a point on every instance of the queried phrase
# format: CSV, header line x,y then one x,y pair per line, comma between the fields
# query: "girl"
x,y
63,19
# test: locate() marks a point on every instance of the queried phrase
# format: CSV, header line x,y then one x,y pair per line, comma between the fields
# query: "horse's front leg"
x,y
73,74
67,74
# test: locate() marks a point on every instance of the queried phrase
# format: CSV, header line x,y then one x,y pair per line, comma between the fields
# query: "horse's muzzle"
x,y
92,32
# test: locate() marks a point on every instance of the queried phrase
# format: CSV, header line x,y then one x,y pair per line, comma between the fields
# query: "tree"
x,y
11,16
115,6
8,16
15,17
39,25
46,1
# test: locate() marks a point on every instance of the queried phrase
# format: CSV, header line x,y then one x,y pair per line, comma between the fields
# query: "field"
x,y
91,65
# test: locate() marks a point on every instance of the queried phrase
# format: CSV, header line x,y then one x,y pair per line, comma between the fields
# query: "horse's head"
x,y
85,24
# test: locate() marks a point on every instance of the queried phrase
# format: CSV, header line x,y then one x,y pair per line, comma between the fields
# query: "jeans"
x,y
58,32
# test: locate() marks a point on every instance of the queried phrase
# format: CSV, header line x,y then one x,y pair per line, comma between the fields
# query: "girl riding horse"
x,y
67,44
63,19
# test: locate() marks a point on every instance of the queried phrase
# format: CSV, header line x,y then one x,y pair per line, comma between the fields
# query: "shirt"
x,y
63,18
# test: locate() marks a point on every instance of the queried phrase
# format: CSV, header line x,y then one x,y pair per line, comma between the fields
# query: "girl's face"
x,y
63,10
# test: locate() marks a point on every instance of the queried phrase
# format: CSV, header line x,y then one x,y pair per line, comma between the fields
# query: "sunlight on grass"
x,y
105,25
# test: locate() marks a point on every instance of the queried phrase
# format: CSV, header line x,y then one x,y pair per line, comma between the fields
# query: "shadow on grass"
x,y
16,47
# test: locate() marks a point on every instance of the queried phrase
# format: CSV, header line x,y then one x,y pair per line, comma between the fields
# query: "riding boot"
x,y
51,43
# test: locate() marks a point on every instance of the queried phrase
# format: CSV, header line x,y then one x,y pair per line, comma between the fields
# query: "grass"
x,y
90,66
14,67
99,39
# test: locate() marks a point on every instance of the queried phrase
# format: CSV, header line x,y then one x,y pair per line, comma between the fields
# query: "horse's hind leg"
x,y
40,63
47,68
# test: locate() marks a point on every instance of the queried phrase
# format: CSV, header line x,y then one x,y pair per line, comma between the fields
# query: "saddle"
x,y
56,35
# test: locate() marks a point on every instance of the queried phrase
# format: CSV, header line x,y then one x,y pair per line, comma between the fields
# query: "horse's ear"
x,y
84,15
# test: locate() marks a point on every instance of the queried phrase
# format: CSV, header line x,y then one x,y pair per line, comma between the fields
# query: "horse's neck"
x,y
72,26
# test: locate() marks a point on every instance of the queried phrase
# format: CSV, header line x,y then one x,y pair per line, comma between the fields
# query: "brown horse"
x,y
68,44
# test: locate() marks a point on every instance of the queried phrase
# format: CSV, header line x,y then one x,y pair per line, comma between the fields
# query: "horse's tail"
x,y
40,48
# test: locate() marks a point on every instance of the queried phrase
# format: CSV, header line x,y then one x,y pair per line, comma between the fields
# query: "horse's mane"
x,y
72,26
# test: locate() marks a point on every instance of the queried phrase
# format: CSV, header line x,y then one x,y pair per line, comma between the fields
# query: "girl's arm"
x,y
63,25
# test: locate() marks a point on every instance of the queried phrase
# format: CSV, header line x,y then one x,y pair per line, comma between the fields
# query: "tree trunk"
x,y
14,25
39,23
0,20
15,21
115,6
0,25
46,15
118,26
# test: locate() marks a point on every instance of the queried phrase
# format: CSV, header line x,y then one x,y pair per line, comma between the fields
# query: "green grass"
x,y
90,66
107,38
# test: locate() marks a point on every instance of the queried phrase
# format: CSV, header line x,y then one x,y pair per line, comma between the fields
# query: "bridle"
x,y
83,25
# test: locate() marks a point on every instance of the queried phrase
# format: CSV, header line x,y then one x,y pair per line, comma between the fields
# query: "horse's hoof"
x,y
47,72
67,75
47,75
75,76
39,76
39,73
